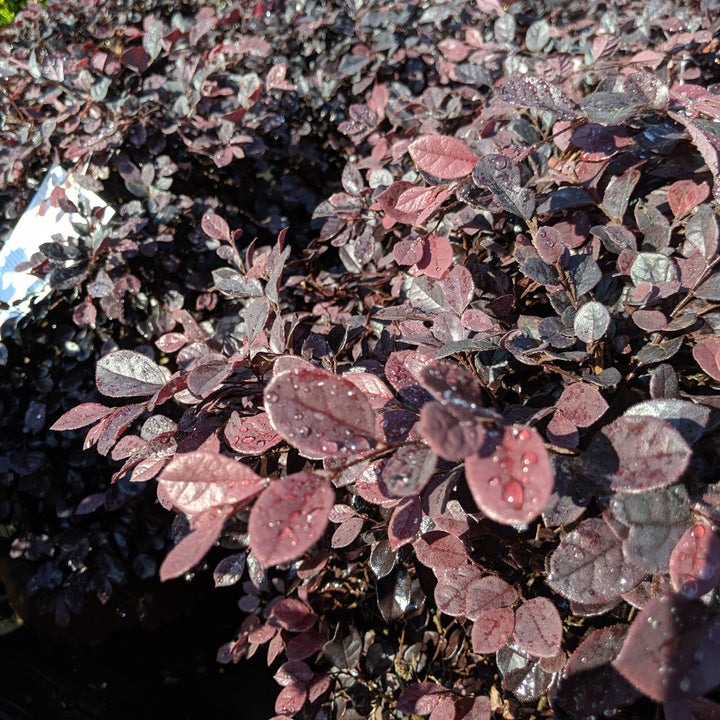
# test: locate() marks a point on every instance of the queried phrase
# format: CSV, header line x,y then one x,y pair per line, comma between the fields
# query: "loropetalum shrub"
x,y
460,426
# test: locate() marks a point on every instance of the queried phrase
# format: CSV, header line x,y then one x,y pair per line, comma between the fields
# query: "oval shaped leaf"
x,y
80,416
319,413
591,322
409,469
126,373
289,517
582,404
487,593
512,482
492,630
252,435
538,627
695,562
443,156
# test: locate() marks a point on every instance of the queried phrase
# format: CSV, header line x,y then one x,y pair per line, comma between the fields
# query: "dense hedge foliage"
x,y
409,312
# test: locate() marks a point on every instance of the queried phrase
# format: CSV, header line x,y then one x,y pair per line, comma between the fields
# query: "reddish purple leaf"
x,y
80,416
685,195
229,570
437,256
442,156
421,698
319,413
589,565
550,244
291,699
374,389
562,432
649,320
451,383
409,251
463,708
369,487
304,645
582,404
491,630
440,551
452,588
216,227
404,523
193,547
669,652
125,373
403,370
637,453
526,91
459,288
487,593
250,435
707,356
691,709
512,481
289,517
294,671
347,531
209,375
85,313
170,342
538,627
293,615
409,469
136,59
695,562
116,423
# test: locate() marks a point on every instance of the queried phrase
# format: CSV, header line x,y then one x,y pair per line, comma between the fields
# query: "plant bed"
x,y
410,316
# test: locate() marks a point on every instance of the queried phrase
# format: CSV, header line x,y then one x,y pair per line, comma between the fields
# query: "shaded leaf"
x,y
501,176
408,470
695,561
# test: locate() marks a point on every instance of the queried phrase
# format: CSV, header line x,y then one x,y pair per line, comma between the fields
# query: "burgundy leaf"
x,y
216,227
491,629
409,251
707,356
668,651
458,288
637,453
550,244
449,382
370,488
292,615
116,423
345,649
512,481
304,645
208,376
526,91
538,627
136,59
695,561
501,176
125,373
229,570
80,416
440,551
291,698
452,588
437,256
170,342
404,523
421,698
408,470
194,482
403,371
193,547
562,432
250,435
589,565
442,156
289,517
487,593
319,413
346,532
582,404
452,432
523,674
685,195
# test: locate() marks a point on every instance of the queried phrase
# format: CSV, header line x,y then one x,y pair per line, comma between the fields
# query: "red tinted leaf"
x,y
707,356
374,389
501,176
668,653
80,416
85,313
526,91
136,59
251,435
452,588
116,423
562,432
125,373
403,370
276,78
408,470
451,431
550,244
170,342
487,593
589,565
440,551
229,570
193,547
208,376
420,699
347,531
582,404
512,481
404,523
409,251
292,615
437,256
319,413
538,627
294,671
216,227
685,195
638,453
450,383
289,517
442,156
194,482
458,288
345,649
695,562
304,645
291,699
591,322
649,320
491,629
369,488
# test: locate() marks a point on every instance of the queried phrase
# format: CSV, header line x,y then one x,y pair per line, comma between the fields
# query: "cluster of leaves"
x,y
473,397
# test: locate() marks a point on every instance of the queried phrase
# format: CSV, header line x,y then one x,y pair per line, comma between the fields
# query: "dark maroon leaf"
x,y
459,288
637,453
294,671
250,435
80,416
685,195
404,523
125,373
208,376
589,565
452,432
571,495
116,423
511,482
346,532
442,156
522,673
304,645
501,176
487,593
421,698
369,487
550,244
449,382
408,470
289,517
526,91
403,370
193,547
437,256
319,413
291,698
695,561
408,252
582,404
216,227
345,649
589,684
538,627
491,629
136,59
668,651
292,615
382,558
707,356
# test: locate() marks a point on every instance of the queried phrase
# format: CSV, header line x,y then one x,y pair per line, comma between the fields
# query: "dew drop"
x,y
685,684
351,393
321,383
688,586
654,624
271,396
524,435
298,416
698,531
512,494
304,431
504,464
494,481
248,439
529,458
578,554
